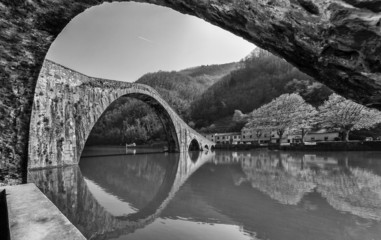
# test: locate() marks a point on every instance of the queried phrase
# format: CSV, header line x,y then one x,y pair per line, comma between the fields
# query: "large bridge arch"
x,y
336,41
67,105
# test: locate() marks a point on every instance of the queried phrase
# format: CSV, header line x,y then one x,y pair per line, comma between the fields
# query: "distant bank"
x,y
319,146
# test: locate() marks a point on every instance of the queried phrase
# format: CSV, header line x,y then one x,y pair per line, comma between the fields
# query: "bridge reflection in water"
x,y
268,195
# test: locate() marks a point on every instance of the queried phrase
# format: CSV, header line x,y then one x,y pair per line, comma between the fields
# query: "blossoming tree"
x,y
287,112
345,115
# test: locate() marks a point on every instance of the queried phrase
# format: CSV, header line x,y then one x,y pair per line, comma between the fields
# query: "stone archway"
x,y
194,145
336,41
67,105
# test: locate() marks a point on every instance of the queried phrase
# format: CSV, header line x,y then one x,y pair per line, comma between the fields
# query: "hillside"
x,y
261,78
181,88
129,120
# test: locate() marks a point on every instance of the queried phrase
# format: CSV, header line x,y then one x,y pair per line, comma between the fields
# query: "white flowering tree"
x,y
288,111
345,115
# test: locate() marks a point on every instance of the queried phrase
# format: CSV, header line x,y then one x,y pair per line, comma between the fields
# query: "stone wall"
x,y
335,41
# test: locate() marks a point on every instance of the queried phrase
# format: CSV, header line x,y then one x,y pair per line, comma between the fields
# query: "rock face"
x,y
336,41
67,104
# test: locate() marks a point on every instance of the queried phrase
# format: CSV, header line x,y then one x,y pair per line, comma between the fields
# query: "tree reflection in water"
x,y
287,177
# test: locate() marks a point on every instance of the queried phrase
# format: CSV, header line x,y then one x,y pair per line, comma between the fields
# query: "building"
x,y
321,135
224,138
210,136
227,138
251,136
266,136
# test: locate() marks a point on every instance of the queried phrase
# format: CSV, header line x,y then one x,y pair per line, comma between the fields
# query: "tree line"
x,y
290,112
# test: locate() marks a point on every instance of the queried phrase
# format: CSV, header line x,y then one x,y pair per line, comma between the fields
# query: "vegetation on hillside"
x,y
261,78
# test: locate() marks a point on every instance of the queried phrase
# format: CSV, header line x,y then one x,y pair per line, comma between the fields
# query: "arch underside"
x,y
67,105
165,119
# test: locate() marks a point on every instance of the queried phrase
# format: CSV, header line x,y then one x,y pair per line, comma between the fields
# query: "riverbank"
x,y
31,215
319,146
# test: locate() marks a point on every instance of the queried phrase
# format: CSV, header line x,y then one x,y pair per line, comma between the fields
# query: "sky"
x,y
123,41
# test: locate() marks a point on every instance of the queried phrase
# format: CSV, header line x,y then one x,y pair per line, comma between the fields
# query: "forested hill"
x,y
211,73
181,88
261,77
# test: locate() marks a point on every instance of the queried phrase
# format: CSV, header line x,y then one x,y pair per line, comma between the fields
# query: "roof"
x,y
227,134
321,131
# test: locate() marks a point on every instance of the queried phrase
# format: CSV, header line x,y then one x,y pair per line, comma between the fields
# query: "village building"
x,y
264,137
227,138
321,135
252,136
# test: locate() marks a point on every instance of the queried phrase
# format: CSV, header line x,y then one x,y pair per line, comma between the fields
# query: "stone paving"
x,y
32,216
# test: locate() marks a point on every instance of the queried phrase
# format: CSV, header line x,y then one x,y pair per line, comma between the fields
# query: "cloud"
x,y
145,39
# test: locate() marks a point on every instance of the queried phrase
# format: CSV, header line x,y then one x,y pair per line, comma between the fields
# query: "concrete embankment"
x,y
32,216
319,146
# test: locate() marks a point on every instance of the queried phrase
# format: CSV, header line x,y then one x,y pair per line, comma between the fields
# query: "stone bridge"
x,y
67,104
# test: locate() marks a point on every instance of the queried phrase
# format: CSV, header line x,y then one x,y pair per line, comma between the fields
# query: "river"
x,y
259,194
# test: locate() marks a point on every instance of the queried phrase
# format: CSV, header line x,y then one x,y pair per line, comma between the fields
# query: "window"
x,y
312,138
325,138
218,137
251,136
243,137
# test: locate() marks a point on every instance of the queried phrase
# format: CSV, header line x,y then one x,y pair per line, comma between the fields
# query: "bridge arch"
x,y
194,145
67,105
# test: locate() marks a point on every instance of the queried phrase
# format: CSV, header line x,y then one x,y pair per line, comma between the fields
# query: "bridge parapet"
x,y
67,104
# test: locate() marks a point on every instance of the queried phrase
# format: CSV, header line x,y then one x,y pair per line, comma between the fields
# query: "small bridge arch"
x,y
67,104
194,145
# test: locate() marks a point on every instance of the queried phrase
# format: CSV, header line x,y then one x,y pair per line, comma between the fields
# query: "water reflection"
x,y
136,180
67,188
221,195
288,176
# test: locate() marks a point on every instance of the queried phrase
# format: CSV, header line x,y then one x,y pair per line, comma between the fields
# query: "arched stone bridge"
x,y
67,104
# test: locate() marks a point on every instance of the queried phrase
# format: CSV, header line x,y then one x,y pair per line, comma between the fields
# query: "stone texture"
x,y
335,41
68,190
33,217
67,104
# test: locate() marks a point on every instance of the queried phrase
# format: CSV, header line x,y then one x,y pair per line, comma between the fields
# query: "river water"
x,y
220,195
